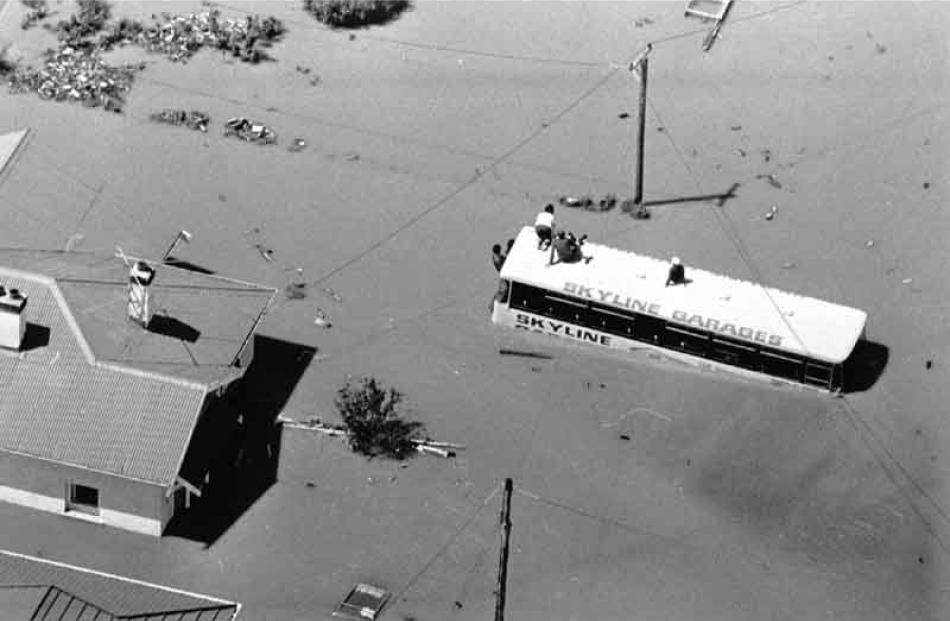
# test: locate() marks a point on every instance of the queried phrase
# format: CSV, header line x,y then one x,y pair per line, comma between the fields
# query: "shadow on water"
x,y
237,443
865,366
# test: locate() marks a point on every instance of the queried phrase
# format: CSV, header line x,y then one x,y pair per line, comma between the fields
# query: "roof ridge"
x,y
103,574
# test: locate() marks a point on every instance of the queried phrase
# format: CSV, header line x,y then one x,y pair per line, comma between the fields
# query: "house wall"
x,y
123,503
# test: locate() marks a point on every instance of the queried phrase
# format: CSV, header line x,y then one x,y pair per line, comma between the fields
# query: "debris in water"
x,y
297,146
771,179
880,48
740,152
766,155
926,185
735,128
624,436
352,157
321,319
336,297
929,364
907,281
870,243
788,266
623,115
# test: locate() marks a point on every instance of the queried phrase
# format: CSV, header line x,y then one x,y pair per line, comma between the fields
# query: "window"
x,y
82,498
818,374
780,366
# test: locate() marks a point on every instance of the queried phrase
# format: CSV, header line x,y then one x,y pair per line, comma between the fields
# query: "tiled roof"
x,y
94,390
57,591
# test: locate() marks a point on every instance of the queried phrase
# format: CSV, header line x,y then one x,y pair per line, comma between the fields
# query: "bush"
x,y
371,415
7,64
355,13
90,19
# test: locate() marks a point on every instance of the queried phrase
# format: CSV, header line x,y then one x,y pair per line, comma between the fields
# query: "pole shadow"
x,y
864,366
235,450
719,198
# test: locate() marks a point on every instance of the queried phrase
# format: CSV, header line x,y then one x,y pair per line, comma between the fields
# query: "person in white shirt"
x,y
544,226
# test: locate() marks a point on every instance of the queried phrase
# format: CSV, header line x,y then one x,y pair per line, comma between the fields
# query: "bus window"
x,y
613,321
818,374
685,340
649,329
780,366
526,297
734,354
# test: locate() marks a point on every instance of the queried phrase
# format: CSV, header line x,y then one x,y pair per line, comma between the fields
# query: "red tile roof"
x,y
101,392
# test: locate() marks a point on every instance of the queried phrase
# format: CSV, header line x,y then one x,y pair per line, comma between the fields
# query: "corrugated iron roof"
x,y
91,389
69,593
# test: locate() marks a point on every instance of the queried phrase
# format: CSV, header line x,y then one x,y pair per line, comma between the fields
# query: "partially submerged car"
x,y
249,131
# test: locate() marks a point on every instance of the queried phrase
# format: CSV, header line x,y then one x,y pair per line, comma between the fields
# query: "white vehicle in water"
x,y
619,300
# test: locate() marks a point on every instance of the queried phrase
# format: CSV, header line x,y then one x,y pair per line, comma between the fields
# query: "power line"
x,y
478,175
448,544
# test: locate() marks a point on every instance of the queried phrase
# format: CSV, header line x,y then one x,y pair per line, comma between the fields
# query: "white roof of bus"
x,y
806,325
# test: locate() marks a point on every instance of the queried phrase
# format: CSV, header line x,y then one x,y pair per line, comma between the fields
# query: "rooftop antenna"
x,y
183,236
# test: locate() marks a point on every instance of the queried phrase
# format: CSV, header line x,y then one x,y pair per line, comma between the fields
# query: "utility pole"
x,y
638,67
503,557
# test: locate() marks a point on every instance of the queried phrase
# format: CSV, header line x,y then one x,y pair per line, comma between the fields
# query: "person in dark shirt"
x,y
497,258
677,275
568,248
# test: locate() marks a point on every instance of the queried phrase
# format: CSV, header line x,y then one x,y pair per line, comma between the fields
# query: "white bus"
x,y
619,300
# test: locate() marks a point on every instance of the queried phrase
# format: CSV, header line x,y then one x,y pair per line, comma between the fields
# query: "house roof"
x,y
92,389
33,588
9,144
708,301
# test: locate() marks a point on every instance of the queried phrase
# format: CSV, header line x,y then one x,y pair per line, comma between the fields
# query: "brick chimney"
x,y
140,304
12,318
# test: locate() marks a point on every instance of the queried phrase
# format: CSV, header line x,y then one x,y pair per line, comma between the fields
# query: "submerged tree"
x,y
355,13
371,415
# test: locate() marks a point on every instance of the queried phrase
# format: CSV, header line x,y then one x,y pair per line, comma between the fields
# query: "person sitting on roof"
x,y
544,226
497,258
677,275
568,247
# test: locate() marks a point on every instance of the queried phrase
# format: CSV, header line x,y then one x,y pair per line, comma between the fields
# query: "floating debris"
x,y
929,364
640,22
788,266
735,128
352,157
296,291
926,185
192,120
266,253
740,152
869,243
907,281
322,320
879,48
623,115
771,180
766,155
76,75
179,37
249,131
38,10
297,146
333,295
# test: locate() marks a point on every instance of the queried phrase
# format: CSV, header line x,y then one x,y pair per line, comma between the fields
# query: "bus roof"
x,y
708,301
